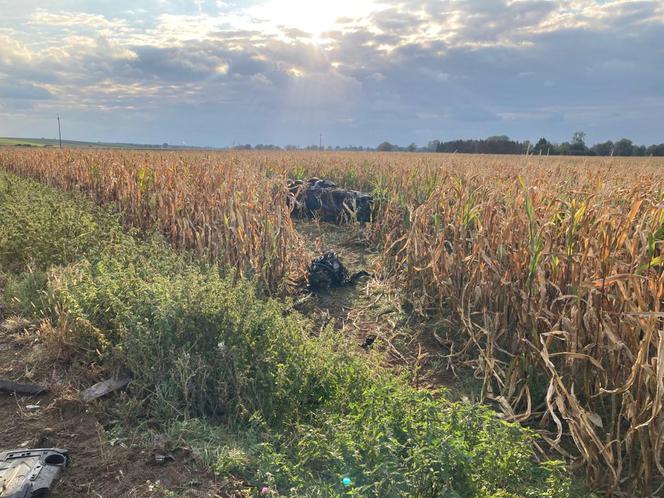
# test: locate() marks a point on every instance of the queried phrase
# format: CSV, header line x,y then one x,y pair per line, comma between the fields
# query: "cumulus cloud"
x,y
212,72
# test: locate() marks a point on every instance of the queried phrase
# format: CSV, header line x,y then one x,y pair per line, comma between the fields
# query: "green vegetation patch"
x,y
29,142
239,377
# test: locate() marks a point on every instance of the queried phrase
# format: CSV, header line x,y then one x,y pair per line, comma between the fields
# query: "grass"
x,y
54,142
238,377
33,142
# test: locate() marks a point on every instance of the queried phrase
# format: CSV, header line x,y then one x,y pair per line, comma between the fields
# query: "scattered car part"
x,y
29,473
328,271
21,388
103,388
162,459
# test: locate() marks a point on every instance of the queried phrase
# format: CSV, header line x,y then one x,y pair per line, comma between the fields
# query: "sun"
x,y
313,17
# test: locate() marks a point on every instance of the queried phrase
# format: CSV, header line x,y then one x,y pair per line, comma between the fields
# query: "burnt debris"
x,y
315,198
327,271
368,341
26,473
8,386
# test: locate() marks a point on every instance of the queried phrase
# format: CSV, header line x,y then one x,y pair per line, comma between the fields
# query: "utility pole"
x,y
320,142
59,134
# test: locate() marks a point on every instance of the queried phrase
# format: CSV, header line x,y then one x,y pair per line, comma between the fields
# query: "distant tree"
x,y
501,144
493,146
412,147
579,138
623,147
563,148
432,146
578,145
655,150
385,147
603,149
543,147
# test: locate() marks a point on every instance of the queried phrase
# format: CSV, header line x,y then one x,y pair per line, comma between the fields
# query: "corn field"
x,y
546,274
229,213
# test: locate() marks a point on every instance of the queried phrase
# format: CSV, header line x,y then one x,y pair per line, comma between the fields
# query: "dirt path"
x,y
374,307
99,468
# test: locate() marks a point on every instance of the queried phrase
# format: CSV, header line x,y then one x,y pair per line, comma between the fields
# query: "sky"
x,y
213,72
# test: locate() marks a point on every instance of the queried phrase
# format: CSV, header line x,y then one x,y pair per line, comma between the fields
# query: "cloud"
x,y
360,71
73,20
14,53
27,91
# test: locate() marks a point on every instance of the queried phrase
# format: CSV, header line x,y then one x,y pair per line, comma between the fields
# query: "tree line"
x,y
575,147
500,144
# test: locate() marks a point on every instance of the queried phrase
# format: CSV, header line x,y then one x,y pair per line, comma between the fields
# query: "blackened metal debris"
x,y
323,199
327,271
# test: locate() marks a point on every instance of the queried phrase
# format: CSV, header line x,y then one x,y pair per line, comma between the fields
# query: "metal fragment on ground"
x,y
27,473
9,386
162,459
103,388
368,341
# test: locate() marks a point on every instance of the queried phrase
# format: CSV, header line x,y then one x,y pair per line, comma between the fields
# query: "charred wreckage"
x,y
323,200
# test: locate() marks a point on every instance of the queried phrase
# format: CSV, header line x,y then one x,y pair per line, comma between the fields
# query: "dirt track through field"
x,y
374,307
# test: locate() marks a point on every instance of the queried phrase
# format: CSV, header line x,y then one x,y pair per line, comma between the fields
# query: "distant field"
x,y
46,142
23,141
545,273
